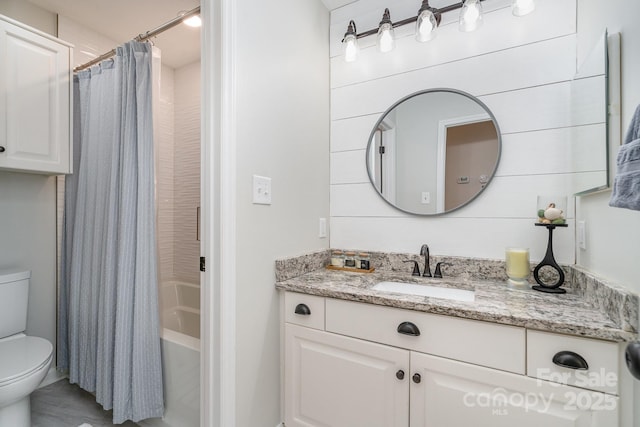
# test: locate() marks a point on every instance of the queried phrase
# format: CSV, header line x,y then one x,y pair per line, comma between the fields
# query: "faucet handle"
x,y
438,273
416,268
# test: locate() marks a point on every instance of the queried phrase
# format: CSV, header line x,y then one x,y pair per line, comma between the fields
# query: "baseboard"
x,y
52,376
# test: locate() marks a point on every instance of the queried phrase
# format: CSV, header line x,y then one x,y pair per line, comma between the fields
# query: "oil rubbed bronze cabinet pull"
x,y
571,360
632,357
302,309
408,328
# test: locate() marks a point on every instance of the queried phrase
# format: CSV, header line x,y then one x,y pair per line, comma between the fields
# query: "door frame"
x,y
218,192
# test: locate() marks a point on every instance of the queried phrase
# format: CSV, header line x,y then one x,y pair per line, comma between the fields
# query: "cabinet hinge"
x,y
203,266
381,149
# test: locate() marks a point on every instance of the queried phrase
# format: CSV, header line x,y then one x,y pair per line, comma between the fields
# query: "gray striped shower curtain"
x,y
108,328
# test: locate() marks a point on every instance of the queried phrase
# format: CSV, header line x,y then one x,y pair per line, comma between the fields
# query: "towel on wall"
x,y
626,185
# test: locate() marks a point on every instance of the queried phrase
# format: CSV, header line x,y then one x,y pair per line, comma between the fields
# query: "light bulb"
x,y
426,26
386,39
470,15
350,48
522,7
386,36
350,43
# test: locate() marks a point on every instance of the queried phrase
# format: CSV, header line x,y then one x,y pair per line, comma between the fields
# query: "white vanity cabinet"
x,y
35,100
455,394
361,371
338,381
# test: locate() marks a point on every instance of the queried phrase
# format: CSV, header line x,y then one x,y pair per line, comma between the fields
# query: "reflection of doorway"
x,y
383,160
466,159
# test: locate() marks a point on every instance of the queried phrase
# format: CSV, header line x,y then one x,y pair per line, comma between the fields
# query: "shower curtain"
x,y
108,304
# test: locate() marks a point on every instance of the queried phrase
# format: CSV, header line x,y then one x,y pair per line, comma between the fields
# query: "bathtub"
x,y
180,340
180,303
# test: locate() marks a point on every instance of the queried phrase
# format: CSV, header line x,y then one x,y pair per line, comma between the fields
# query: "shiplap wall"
x,y
521,68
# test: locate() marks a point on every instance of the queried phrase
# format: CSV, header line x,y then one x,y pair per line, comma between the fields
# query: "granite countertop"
x,y
494,301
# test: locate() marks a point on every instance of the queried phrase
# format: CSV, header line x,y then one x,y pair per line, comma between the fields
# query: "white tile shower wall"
x,y
165,194
521,68
187,173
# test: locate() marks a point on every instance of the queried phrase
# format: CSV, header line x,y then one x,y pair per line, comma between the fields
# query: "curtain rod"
x,y
142,37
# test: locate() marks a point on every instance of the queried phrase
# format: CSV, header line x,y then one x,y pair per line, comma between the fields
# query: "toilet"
x,y
24,360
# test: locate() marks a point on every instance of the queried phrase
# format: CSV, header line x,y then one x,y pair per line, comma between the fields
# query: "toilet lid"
x,y
20,356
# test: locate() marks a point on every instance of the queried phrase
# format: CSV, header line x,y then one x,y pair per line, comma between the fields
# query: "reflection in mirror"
x,y
433,152
591,95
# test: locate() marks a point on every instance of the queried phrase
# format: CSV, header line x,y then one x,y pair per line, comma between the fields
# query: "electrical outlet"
x,y
582,235
322,228
426,198
261,190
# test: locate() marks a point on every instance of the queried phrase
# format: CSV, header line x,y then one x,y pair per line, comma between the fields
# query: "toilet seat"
x,y
22,356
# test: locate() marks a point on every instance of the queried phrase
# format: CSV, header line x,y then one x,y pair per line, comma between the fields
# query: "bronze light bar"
x,y
425,4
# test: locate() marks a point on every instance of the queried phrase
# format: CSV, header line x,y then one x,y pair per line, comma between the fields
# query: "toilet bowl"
x,y
24,360
25,363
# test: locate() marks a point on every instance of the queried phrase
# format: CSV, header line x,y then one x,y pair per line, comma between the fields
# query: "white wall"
x,y
612,233
30,14
28,212
28,230
520,67
283,133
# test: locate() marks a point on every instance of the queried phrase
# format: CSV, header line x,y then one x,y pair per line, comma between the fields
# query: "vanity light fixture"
x,y
386,35
426,21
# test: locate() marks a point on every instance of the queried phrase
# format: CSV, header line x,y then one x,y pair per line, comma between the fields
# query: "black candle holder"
x,y
549,261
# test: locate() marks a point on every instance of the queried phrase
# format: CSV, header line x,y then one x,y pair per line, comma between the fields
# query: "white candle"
x,y
518,267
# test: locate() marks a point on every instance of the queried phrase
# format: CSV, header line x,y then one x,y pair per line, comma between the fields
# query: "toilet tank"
x,y
14,297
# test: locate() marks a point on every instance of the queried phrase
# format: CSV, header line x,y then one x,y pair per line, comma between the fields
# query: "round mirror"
x,y
433,151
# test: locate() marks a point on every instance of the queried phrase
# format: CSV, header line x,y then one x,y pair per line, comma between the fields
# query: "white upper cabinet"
x,y
35,100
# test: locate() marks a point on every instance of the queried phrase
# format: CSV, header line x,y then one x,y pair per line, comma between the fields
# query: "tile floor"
x,y
66,405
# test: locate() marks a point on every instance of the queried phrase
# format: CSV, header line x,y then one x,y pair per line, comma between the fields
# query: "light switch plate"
x,y
261,190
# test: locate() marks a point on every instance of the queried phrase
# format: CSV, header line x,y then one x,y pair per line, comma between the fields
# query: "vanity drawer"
x,y
481,343
600,356
304,310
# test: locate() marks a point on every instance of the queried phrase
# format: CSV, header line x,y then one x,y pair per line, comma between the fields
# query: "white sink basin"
x,y
425,290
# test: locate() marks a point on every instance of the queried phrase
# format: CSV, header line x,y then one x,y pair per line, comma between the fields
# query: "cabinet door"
x,y
335,381
455,394
35,81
